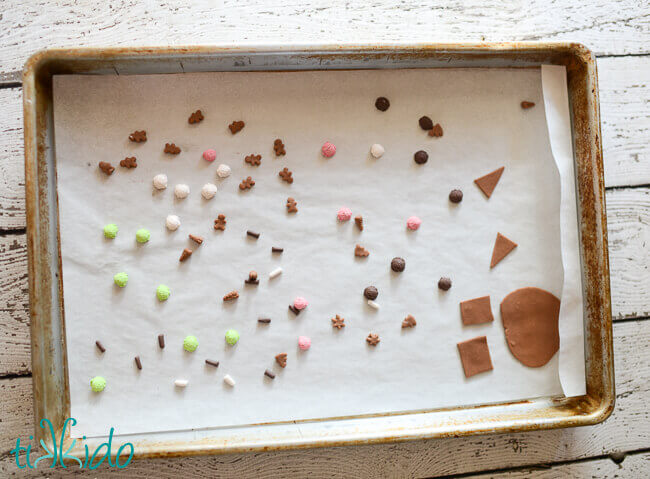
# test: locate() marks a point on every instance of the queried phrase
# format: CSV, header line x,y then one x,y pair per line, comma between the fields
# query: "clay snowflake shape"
x,y
338,322
373,339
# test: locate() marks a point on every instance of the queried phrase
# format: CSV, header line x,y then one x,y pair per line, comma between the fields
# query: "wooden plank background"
x,y
618,32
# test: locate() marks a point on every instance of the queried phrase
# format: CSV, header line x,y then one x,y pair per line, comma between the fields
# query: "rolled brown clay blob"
x,y
488,182
476,311
475,356
530,322
502,247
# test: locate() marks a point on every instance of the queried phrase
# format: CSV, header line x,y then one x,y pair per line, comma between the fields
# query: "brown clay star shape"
x,y
138,136
172,149
253,160
106,167
195,117
285,174
338,322
236,126
247,184
220,223
278,146
408,322
292,206
129,162
361,251
373,339
281,359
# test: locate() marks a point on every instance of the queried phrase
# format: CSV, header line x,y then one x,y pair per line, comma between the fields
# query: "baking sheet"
x,y
340,375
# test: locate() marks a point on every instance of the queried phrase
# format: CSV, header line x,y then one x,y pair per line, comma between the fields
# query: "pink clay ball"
x,y
344,214
413,223
304,342
328,149
209,155
300,303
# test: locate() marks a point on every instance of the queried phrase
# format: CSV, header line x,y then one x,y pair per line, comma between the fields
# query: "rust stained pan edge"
x,y
48,332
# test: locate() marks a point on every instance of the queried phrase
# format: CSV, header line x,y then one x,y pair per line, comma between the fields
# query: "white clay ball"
x,y
181,191
172,222
223,171
160,182
208,191
377,150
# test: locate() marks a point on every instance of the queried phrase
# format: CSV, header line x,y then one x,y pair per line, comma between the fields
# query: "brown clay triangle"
x,y
488,182
502,246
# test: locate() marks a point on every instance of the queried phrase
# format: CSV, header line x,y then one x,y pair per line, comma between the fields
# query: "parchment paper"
x,y
412,369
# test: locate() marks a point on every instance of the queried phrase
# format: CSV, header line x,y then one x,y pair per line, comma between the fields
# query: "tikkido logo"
x,y
58,455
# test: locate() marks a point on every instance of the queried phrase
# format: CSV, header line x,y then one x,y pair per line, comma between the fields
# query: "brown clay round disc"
x,y
530,321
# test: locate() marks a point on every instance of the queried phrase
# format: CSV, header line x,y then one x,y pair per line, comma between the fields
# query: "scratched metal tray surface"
x,y
49,362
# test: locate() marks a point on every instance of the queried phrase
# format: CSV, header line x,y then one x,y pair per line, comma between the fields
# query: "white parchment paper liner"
x,y
484,128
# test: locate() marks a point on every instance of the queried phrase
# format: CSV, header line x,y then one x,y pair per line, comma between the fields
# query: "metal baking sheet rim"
x,y
49,362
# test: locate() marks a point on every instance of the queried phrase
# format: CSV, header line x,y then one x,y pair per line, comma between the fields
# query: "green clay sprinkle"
x,y
142,235
190,343
97,384
121,279
110,230
232,336
162,292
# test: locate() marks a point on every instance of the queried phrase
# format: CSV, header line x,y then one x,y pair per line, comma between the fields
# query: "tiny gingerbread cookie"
x,y
195,117
138,136
236,126
292,205
247,184
106,167
220,223
172,149
253,160
129,162
361,251
278,146
285,174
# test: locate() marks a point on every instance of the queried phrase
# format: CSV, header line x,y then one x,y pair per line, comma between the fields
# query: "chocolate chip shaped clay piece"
x,y
530,322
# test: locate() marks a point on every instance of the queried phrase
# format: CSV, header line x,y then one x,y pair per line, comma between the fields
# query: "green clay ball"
x,y
232,337
97,384
190,343
110,230
142,235
162,292
121,279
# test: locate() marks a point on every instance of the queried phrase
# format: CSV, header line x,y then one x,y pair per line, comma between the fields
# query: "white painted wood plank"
x,y
29,26
634,466
627,429
625,119
12,170
628,225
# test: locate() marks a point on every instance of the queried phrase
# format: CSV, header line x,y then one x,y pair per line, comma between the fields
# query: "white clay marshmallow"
x,y
181,191
377,150
223,171
160,181
172,222
208,191
275,272
229,380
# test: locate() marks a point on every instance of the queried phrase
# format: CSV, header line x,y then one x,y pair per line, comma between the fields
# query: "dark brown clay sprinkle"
x,y
527,104
137,362
253,234
269,374
161,341
456,196
425,123
371,293
382,103
264,320
294,310
398,265
444,284
212,363
100,346
421,157
275,249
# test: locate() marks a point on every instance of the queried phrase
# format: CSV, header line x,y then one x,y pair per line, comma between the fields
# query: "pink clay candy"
x,y
209,155
304,342
328,149
300,303
344,214
413,223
